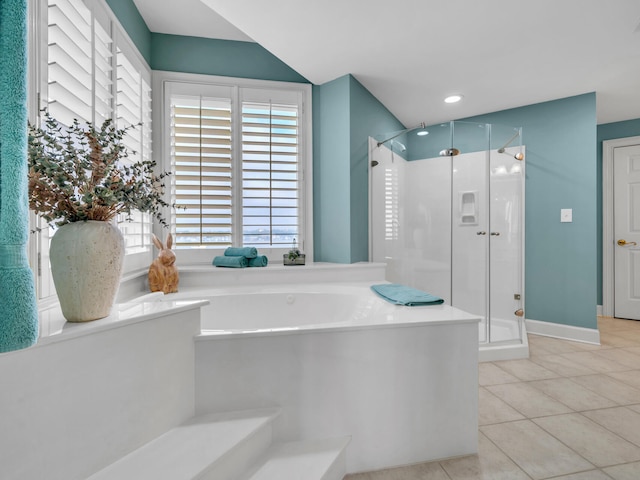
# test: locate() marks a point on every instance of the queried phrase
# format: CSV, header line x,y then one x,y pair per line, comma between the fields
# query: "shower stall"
x,y
447,217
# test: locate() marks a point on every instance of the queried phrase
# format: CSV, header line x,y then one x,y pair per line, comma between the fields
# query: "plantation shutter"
x,y
201,158
132,106
128,103
69,52
103,96
270,173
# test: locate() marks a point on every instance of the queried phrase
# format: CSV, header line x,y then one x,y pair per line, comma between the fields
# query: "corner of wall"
x,y
131,20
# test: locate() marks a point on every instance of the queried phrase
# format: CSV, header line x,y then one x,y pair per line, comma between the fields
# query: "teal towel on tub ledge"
x,y
248,252
237,261
19,319
403,295
259,261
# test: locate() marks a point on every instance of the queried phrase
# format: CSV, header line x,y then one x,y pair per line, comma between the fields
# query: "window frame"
x,y
37,99
162,82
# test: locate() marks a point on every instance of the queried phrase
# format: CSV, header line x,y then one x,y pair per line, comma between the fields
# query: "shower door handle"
x,y
481,233
495,234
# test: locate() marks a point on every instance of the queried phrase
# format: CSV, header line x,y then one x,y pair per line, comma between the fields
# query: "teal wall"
x,y
176,53
560,137
130,18
368,116
609,131
561,172
345,115
331,176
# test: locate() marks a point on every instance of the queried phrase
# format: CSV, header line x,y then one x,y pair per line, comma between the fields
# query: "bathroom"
x,y
563,171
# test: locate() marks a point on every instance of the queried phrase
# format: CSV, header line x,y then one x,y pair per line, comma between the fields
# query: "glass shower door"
x,y
506,295
470,223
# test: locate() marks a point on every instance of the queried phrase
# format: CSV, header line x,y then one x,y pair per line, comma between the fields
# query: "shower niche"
x,y
447,217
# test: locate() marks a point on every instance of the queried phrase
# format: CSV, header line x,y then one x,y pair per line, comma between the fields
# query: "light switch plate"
x,y
566,215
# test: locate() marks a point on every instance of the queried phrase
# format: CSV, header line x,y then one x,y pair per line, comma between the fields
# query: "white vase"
x,y
86,263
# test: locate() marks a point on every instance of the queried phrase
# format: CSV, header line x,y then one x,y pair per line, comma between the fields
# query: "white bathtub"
x,y
307,307
338,360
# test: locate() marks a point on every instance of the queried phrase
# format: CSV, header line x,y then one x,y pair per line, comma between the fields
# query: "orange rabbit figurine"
x,y
163,274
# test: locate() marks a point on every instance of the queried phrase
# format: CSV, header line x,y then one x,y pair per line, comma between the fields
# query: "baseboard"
x,y
494,353
565,332
599,310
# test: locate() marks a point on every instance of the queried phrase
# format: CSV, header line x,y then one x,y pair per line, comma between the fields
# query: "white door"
x,y
626,224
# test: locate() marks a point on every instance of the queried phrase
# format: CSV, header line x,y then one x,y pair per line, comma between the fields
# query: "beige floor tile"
x,y
590,475
553,345
422,471
635,350
595,362
489,464
536,350
572,394
592,441
562,366
621,356
613,322
626,329
592,347
358,476
622,421
536,452
526,370
630,377
528,400
493,410
610,388
630,471
491,374
619,339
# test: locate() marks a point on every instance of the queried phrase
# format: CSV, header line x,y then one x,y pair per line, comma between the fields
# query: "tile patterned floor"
x,y
569,412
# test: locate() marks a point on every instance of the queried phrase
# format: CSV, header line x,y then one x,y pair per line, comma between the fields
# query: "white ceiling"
x,y
410,54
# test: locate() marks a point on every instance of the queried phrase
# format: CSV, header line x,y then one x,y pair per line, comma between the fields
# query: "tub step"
x,y
305,460
217,446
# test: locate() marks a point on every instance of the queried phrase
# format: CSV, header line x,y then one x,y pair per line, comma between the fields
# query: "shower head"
x,y
449,152
400,145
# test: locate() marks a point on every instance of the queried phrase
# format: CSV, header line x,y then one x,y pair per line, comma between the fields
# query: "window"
x,y
201,158
83,66
239,151
270,174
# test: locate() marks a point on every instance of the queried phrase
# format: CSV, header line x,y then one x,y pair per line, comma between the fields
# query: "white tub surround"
x,y
88,394
340,361
343,382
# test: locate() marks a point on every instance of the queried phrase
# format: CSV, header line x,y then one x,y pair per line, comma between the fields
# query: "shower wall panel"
x,y
410,222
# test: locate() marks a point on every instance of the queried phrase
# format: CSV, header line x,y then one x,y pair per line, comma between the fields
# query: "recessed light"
x,y
453,99
422,133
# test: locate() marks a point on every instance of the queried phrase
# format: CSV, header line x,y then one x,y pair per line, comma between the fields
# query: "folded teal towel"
x,y
237,261
403,295
248,252
259,261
